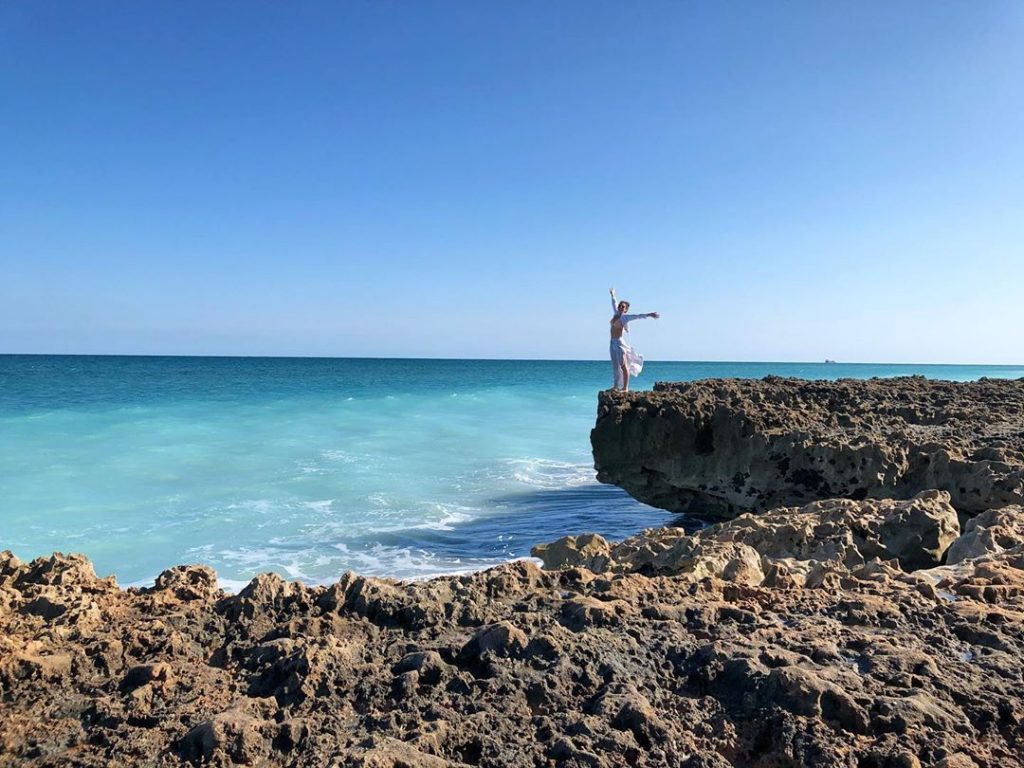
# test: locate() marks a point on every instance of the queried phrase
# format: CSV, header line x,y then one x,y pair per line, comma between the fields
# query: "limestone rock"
x,y
720,447
60,570
233,735
502,639
787,543
990,532
588,550
188,582
689,664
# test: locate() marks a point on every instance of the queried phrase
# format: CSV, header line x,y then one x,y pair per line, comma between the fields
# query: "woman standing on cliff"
x,y
625,362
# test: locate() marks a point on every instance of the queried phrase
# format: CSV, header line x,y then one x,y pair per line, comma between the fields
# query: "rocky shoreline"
x,y
885,631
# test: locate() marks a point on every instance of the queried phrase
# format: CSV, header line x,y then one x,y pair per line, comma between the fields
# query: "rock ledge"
x,y
720,447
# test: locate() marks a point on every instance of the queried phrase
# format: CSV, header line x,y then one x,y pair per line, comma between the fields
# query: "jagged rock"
x,y
584,611
990,532
44,607
188,582
145,674
233,735
792,546
385,752
959,760
35,666
588,550
268,589
866,664
634,713
429,667
720,447
993,577
916,532
59,570
10,567
502,639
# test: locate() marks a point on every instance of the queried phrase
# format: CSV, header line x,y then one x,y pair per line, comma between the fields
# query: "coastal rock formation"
x,y
871,631
720,447
835,533
795,638
990,532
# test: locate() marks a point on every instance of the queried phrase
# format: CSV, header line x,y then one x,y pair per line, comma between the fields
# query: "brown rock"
x,y
588,669
188,582
796,546
234,735
145,674
501,639
384,752
60,570
959,760
720,447
990,532
588,550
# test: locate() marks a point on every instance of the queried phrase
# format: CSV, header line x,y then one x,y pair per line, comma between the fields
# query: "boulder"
x,y
501,639
233,735
989,533
588,550
188,582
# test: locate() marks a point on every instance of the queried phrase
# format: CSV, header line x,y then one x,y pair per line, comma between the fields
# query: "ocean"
x,y
313,466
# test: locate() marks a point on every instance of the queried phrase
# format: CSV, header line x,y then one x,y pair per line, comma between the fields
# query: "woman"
x,y
625,362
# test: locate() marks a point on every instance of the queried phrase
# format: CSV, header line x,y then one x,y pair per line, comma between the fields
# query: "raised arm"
x,y
644,316
615,303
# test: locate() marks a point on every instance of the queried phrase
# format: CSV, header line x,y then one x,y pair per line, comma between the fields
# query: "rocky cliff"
x,y
720,447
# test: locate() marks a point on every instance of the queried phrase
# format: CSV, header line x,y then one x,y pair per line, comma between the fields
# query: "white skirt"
x,y
622,353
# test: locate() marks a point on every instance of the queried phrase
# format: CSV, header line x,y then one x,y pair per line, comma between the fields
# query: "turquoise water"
x,y
309,467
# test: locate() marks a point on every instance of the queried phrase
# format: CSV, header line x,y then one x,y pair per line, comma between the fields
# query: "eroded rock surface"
x,y
834,533
774,640
719,447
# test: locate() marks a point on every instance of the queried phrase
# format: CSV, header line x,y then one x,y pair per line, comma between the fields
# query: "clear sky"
x,y
782,180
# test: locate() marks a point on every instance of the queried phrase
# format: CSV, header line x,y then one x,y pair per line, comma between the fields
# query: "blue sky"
x,y
783,181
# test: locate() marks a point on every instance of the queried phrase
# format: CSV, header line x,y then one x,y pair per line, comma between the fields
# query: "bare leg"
x,y
625,378
615,374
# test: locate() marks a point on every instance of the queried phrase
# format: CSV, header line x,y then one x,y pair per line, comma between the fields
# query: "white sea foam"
x,y
448,515
408,562
324,505
340,456
252,505
550,474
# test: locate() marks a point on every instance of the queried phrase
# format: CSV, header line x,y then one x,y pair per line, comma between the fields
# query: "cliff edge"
x,y
720,447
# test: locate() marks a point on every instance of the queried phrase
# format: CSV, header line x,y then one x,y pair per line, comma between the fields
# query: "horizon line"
x,y
494,359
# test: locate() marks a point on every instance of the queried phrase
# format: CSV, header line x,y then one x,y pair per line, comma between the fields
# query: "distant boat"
x,y
830,362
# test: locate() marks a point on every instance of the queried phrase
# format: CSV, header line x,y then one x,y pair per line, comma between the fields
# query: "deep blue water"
x,y
309,467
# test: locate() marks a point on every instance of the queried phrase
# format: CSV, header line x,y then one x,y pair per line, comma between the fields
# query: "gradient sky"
x,y
783,181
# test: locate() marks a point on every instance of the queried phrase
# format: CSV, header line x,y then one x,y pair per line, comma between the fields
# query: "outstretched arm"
x,y
615,304
629,318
